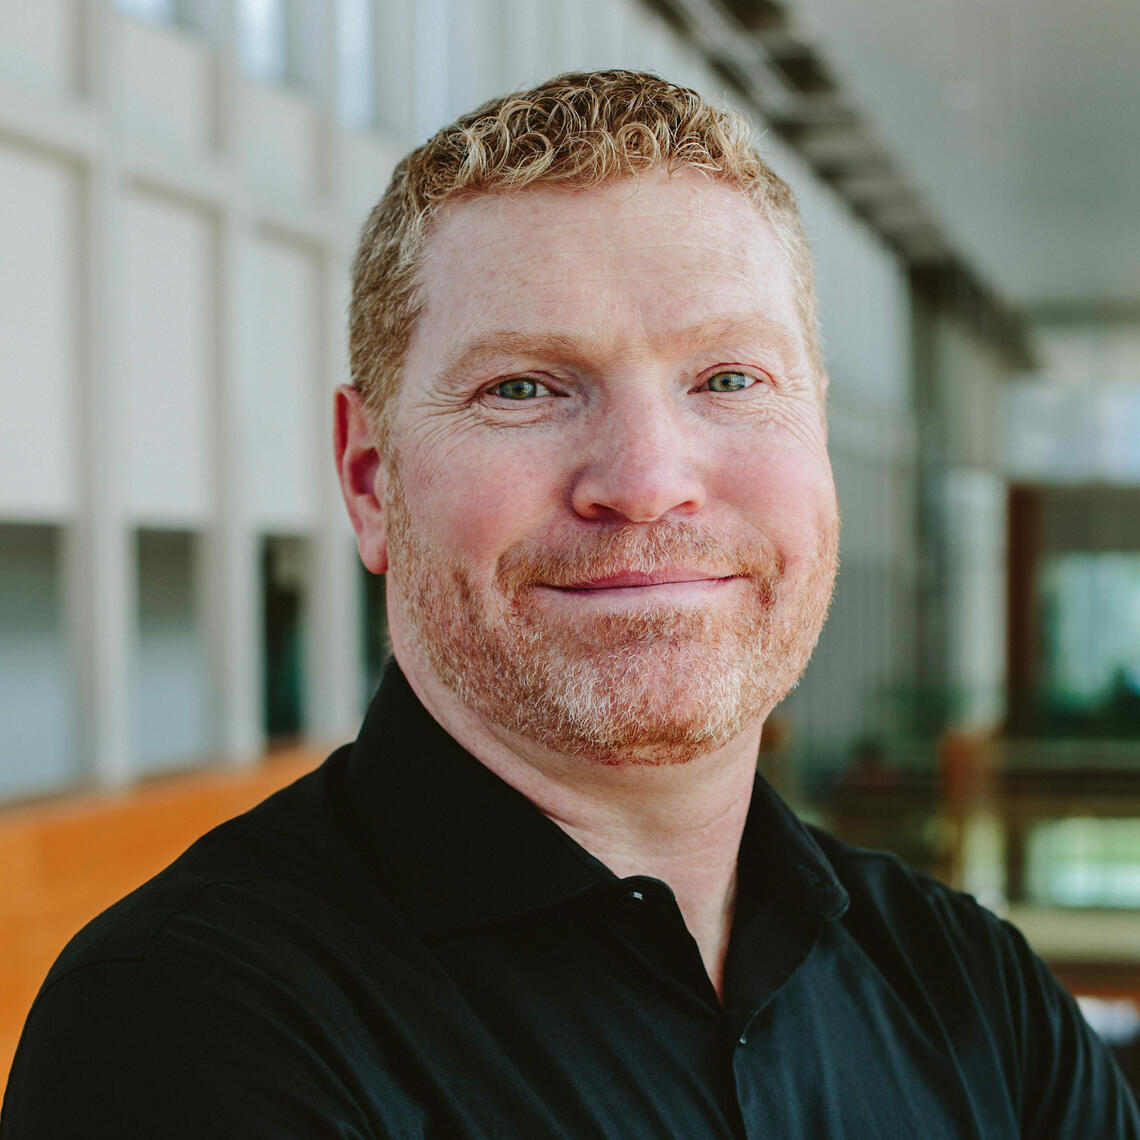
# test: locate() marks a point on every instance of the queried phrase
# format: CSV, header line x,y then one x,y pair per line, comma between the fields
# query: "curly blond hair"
x,y
575,131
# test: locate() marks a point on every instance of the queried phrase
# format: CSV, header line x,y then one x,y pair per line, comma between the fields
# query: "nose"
x,y
640,463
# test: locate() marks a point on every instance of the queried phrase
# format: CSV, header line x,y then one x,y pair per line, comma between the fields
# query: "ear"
x,y
363,477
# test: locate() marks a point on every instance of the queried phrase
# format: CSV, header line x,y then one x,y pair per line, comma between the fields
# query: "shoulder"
x,y
995,1002
224,984
936,939
883,887
275,893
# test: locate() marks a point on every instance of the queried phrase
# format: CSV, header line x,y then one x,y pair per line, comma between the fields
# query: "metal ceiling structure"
x,y
1019,121
961,250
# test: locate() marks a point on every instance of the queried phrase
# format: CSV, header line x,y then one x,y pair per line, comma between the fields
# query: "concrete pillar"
x,y
233,590
334,699
99,550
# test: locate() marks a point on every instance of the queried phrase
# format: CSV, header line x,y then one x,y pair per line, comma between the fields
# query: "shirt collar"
x,y
781,862
452,841
456,845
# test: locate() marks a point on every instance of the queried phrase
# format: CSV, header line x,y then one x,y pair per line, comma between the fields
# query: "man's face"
x,y
610,516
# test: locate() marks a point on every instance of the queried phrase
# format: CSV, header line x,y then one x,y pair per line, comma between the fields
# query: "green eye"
x,y
728,382
520,388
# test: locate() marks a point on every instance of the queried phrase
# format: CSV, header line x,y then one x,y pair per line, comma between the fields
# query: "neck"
x,y
688,839
677,822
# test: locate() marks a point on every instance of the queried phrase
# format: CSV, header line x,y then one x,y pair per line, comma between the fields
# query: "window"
x,y
1084,862
37,688
355,99
184,13
279,40
171,693
1091,642
262,40
153,11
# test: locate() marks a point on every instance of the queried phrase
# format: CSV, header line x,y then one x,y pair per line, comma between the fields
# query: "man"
x,y
543,894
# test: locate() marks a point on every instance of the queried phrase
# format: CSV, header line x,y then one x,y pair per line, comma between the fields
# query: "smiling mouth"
x,y
677,576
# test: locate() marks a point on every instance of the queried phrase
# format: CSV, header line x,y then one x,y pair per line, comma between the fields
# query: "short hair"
x,y
575,131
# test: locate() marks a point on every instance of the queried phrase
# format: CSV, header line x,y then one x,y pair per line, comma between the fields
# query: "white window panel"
x,y
356,63
262,39
281,154
171,351
280,401
39,43
278,40
39,318
168,95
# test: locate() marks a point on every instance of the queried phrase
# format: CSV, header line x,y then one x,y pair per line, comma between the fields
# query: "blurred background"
x,y
184,624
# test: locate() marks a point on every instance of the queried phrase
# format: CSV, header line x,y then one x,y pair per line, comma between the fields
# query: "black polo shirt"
x,y
401,945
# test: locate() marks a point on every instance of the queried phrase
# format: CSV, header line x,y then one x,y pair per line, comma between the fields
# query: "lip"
x,y
633,580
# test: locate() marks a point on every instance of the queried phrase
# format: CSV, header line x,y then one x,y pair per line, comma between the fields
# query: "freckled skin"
x,y
634,310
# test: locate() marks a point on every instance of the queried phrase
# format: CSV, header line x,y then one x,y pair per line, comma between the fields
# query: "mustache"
x,y
640,550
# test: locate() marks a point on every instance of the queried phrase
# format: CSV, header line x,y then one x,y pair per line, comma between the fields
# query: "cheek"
x,y
481,509
789,496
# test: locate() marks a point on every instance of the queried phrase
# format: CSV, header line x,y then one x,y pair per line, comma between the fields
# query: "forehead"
x,y
636,257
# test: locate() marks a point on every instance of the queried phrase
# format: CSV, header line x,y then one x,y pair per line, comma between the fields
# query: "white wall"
x,y
281,143
40,47
167,93
171,372
282,443
39,333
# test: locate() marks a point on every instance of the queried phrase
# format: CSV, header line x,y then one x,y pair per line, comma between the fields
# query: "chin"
x,y
649,705
653,690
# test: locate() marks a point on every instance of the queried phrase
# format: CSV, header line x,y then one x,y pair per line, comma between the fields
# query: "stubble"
x,y
659,685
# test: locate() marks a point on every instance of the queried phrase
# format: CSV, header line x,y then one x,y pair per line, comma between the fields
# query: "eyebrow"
x,y
508,342
511,342
744,326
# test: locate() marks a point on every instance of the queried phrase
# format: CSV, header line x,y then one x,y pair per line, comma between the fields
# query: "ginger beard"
x,y
659,685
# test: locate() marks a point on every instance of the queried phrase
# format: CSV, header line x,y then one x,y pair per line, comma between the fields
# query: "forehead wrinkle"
x,y
750,328
722,277
457,225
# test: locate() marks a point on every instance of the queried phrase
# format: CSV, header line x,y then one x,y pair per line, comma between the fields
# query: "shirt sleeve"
x,y
1016,1034
142,1049
1072,1086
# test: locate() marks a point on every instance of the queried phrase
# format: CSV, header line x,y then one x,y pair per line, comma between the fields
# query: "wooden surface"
x,y
63,861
